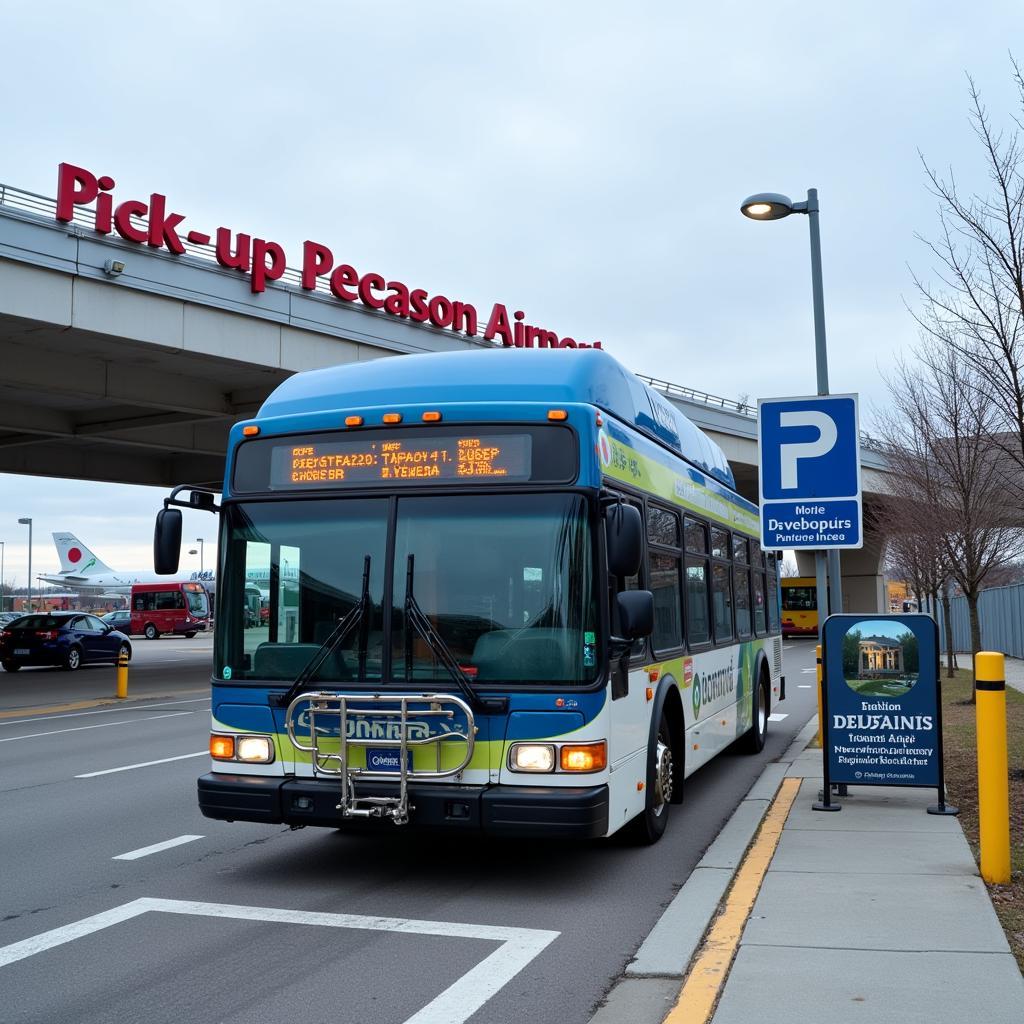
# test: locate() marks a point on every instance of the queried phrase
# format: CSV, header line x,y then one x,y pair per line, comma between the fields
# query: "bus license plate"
x,y
386,759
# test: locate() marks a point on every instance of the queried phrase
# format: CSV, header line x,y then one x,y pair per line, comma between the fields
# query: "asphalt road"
x,y
400,918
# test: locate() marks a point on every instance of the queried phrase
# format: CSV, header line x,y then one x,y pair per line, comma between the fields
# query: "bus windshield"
x,y
505,580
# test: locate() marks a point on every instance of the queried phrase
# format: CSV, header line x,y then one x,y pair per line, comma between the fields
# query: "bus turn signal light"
x,y
392,417
557,414
353,421
222,748
584,757
250,431
431,417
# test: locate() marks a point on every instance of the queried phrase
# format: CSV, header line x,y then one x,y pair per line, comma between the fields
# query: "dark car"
x,y
68,639
121,620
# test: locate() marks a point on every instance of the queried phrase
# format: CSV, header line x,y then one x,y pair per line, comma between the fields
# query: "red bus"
x,y
169,608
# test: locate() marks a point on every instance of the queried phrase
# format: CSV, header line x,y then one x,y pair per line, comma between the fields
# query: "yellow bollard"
x,y
122,675
993,779
821,724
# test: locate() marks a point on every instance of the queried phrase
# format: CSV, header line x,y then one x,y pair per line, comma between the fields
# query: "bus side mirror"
x,y
636,613
624,533
167,541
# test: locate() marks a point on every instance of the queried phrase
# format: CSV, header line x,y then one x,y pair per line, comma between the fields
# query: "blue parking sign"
x,y
810,472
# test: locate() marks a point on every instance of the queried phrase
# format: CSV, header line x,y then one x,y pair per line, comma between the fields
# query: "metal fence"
x,y
1001,612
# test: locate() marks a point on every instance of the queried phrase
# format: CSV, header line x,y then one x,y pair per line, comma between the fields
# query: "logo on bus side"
x,y
711,686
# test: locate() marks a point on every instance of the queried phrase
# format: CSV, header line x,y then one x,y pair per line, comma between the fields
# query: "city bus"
x,y
799,606
509,594
159,608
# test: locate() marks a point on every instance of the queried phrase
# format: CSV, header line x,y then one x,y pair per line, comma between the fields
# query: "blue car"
x,y
68,639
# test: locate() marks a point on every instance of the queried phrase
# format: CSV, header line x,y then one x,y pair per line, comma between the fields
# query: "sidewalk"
x,y
873,914
1015,673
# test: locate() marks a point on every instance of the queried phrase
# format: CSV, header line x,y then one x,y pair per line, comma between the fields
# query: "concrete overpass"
x,y
124,362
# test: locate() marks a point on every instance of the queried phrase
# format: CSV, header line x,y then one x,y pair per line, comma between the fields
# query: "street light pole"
x,y
28,523
3,547
772,206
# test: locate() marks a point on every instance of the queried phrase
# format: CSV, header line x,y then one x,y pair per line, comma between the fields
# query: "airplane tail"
x,y
75,558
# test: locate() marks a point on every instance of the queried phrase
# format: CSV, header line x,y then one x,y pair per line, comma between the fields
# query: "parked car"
x,y
68,639
120,620
6,617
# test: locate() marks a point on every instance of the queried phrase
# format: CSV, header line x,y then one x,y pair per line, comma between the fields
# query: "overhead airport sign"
x,y
809,457
150,222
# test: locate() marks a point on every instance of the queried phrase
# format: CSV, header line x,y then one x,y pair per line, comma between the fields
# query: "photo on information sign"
x,y
880,659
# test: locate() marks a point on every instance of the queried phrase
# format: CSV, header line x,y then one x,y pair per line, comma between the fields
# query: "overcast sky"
x,y
581,161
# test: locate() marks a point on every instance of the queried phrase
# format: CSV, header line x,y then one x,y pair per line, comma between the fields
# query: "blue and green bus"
x,y
514,593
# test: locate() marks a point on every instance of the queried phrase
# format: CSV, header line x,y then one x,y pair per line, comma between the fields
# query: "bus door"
x,y
629,713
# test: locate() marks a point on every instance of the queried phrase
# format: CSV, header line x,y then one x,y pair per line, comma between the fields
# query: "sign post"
x,y
882,706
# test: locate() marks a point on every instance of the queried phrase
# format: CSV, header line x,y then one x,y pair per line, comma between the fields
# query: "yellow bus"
x,y
799,606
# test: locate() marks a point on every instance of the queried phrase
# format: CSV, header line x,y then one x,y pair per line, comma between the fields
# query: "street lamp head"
x,y
25,522
767,206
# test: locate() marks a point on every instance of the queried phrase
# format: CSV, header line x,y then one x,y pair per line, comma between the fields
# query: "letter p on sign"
x,y
790,453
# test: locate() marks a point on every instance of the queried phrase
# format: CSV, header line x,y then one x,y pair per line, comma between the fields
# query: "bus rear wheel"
x,y
754,740
650,824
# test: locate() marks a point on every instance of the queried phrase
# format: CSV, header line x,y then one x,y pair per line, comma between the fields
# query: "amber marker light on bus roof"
x,y
557,414
431,417
584,757
392,417
222,748
250,431
353,421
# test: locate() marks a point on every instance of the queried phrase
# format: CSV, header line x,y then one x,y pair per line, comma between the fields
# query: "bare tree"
x,y
946,472
788,569
915,552
977,307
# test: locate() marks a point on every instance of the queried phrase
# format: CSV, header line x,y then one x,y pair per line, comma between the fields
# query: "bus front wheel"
x,y
151,632
650,824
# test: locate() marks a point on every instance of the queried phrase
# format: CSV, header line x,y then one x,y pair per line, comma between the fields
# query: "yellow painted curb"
x,y
710,970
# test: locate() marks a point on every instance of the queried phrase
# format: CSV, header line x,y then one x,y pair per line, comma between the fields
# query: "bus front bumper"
x,y
575,812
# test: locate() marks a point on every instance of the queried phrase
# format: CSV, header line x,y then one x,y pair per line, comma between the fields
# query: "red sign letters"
x,y
151,224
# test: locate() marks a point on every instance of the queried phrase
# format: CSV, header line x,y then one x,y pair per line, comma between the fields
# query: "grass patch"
x,y
961,757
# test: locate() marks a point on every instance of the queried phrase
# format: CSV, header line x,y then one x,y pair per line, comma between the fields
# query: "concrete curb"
x,y
651,981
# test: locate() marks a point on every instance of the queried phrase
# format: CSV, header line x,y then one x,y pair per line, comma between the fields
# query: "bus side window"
x,y
773,594
698,623
741,585
721,584
757,576
663,570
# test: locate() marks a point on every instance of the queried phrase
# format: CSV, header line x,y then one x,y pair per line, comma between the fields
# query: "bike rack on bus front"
x,y
395,710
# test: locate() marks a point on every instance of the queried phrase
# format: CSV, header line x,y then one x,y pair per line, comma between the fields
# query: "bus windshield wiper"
x,y
355,616
415,617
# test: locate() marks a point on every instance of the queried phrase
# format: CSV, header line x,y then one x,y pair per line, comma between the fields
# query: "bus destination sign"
x,y
451,458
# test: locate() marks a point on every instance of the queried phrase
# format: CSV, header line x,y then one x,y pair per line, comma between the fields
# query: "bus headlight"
x,y
254,749
532,757
250,749
584,757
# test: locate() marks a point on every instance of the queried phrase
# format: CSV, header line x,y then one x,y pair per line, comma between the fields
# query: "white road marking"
x,y
456,1004
107,711
807,671
144,764
100,725
803,686
167,844
777,717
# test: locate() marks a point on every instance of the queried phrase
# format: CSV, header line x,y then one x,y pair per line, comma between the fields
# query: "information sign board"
x,y
881,702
